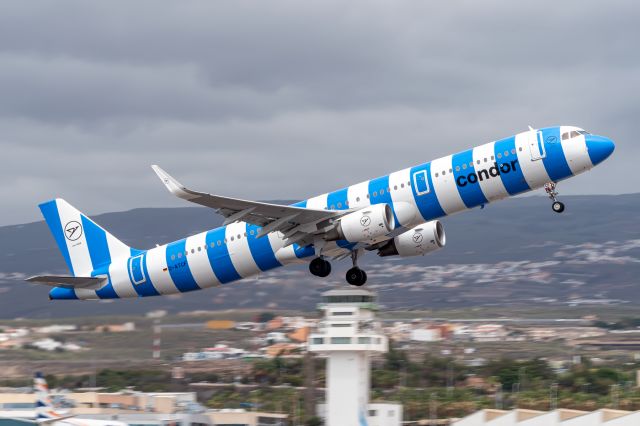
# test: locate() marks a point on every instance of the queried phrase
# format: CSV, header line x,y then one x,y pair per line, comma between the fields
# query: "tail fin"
x,y
85,246
44,407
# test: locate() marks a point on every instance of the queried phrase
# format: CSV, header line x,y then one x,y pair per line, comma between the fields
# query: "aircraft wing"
x,y
68,282
298,224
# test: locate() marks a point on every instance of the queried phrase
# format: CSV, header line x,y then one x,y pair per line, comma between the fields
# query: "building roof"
x,y
348,292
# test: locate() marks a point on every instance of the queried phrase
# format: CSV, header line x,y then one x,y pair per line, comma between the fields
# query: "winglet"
x,y
175,187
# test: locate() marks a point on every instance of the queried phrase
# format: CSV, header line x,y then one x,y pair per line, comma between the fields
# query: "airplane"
x,y
46,414
393,215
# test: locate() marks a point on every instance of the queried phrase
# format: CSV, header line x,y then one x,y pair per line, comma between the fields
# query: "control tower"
x,y
348,335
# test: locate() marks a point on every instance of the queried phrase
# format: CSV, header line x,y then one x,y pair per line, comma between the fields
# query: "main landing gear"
x,y
550,188
355,275
320,267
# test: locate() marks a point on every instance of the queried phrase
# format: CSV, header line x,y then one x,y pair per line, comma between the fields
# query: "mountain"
x,y
516,252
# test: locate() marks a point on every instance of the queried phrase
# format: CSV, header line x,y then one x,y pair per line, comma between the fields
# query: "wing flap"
x,y
68,282
274,217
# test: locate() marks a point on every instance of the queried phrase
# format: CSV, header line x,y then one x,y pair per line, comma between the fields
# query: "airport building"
x,y
136,409
348,335
559,417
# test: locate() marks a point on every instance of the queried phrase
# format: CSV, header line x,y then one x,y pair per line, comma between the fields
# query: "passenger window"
x,y
358,199
464,166
437,174
395,187
173,257
219,243
333,207
499,155
375,193
402,185
180,255
193,251
506,153
199,248
513,151
339,205
382,192
457,168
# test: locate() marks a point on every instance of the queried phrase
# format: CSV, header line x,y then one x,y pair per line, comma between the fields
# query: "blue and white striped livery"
x,y
395,214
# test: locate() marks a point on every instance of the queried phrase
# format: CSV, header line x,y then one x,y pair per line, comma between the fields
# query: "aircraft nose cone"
x,y
599,148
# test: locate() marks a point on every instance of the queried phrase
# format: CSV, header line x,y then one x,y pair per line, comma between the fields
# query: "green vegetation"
x,y
623,324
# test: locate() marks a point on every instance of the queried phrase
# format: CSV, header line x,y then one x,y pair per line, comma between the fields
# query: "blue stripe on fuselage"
x,y
555,161
513,181
261,249
179,267
337,200
302,252
471,193
428,203
145,288
219,258
100,256
379,192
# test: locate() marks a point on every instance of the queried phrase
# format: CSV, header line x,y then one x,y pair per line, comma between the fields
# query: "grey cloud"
x,y
288,99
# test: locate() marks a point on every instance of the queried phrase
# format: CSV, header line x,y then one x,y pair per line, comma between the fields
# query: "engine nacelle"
x,y
420,240
365,224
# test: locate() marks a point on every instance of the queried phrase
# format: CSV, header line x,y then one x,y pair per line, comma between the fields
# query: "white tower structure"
x,y
348,335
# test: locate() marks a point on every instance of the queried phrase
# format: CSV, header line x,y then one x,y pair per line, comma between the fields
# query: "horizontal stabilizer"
x,y
68,282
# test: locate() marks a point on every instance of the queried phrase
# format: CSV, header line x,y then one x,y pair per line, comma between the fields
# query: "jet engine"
x,y
365,224
420,240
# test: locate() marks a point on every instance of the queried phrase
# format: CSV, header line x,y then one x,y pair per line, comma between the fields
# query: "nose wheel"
x,y
550,189
320,267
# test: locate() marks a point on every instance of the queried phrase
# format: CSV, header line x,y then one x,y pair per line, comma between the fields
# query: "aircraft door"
x,y
420,182
136,270
536,145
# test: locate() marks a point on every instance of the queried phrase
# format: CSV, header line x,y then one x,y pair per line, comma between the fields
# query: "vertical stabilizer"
x,y
85,245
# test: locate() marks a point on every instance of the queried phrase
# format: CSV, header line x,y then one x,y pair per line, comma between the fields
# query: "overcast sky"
x,y
285,100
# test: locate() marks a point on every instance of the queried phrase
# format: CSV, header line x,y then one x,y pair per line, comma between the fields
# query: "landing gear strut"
x,y
320,267
550,188
355,275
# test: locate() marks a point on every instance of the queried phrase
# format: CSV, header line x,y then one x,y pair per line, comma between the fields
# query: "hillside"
x,y
516,252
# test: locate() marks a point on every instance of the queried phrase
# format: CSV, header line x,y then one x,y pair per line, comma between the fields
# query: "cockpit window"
x,y
573,134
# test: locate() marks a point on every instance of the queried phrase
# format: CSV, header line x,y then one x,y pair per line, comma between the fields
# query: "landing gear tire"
x,y
356,276
320,267
550,189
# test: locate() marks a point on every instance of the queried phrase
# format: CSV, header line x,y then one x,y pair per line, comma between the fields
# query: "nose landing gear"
x,y
550,189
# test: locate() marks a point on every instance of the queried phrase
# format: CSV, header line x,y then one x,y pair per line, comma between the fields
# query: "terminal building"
x,y
134,408
348,335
